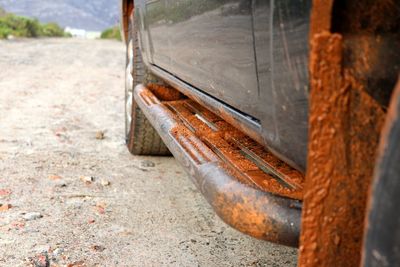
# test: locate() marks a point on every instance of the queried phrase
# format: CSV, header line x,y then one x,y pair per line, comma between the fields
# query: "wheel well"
x,y
371,35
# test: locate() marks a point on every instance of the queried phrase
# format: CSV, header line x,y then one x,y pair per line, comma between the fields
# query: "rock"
x,y
57,252
60,184
147,164
101,207
43,249
105,182
17,225
87,179
54,177
100,135
5,207
5,192
40,260
30,216
76,264
98,248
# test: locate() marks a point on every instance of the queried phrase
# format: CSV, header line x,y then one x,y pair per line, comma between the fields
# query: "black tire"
x,y
141,137
382,239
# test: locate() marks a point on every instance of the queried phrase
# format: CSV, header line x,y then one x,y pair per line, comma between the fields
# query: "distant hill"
x,y
93,15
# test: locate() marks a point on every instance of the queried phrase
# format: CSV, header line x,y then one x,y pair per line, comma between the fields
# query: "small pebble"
x,y
57,252
148,164
54,177
5,207
42,249
60,184
5,192
30,216
40,260
87,179
105,182
100,135
98,248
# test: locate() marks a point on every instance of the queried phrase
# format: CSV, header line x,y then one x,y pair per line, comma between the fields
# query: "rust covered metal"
x,y
251,163
164,93
353,65
248,187
230,115
126,9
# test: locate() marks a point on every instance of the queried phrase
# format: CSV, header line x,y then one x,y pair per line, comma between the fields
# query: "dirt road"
x,y
70,198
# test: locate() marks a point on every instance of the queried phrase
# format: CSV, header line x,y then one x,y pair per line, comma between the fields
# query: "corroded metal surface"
x,y
200,140
346,119
251,163
126,8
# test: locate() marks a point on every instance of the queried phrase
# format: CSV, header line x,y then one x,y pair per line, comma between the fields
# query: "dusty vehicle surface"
x,y
276,109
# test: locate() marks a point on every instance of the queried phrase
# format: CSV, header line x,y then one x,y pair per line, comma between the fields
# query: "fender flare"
x,y
126,6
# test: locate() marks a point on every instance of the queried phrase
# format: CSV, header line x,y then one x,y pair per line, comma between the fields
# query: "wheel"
x,y
141,137
382,238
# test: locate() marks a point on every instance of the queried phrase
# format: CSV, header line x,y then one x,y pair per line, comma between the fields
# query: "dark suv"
x,y
276,110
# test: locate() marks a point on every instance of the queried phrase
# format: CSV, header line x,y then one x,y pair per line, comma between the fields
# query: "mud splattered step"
x,y
248,187
249,161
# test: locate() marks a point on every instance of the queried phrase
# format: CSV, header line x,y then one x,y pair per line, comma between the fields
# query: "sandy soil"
x,y
55,95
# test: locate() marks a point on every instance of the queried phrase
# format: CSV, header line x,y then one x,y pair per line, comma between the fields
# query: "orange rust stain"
x,y
244,217
224,142
196,151
344,128
321,16
164,93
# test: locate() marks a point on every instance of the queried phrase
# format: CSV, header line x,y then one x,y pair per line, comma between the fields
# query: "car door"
x,y
281,30
156,33
212,48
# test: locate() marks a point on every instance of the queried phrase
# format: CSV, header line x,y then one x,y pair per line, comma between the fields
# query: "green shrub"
x,y
18,26
52,30
111,33
4,32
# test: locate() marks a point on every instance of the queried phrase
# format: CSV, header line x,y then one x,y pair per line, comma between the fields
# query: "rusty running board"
x,y
259,196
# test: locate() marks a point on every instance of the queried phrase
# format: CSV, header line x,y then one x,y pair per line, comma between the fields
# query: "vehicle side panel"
x,y
212,48
281,36
157,30
250,55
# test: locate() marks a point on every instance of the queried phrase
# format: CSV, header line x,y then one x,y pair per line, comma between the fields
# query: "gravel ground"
x,y
70,199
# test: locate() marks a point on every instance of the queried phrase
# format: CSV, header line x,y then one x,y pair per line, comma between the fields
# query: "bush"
x,y
52,30
111,33
4,32
18,26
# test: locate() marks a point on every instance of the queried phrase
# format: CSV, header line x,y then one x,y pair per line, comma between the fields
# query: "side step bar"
x,y
248,188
